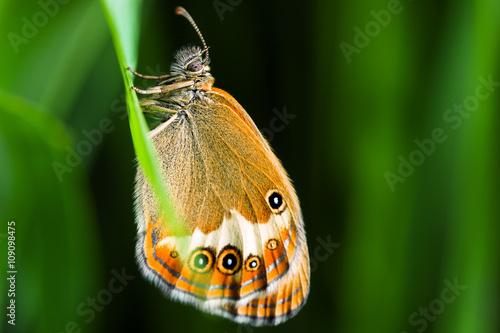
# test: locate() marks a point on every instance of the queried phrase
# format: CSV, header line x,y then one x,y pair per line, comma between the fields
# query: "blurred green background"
x,y
391,141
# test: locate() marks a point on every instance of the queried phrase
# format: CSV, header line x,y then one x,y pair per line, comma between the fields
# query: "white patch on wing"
x,y
283,220
180,244
197,239
249,237
229,233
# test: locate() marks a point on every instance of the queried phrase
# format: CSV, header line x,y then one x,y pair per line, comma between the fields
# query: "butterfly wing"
x,y
245,255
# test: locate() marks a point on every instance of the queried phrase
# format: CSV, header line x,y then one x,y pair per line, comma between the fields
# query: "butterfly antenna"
x,y
182,12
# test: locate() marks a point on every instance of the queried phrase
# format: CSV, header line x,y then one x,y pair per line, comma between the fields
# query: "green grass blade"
x,y
55,235
123,20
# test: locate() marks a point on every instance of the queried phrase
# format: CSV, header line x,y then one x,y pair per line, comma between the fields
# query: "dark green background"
x,y
395,250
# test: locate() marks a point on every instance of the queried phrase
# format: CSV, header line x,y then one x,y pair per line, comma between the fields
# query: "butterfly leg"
x,y
149,77
150,107
161,89
154,90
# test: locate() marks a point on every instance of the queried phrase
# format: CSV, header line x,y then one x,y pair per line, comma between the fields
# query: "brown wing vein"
x,y
195,134
241,158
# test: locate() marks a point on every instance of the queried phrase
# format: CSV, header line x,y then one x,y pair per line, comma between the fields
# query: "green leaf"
x,y
35,71
123,20
55,239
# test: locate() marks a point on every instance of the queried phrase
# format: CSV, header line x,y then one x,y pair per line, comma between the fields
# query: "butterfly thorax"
x,y
187,83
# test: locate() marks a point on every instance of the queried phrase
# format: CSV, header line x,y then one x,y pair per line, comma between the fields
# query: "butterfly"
x,y
243,254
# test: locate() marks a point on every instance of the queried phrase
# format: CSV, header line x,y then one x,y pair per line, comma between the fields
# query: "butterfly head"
x,y
189,63
189,60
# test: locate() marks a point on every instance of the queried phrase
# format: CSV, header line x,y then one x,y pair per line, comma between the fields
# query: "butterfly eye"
x,y
229,260
201,260
252,263
174,254
195,67
276,202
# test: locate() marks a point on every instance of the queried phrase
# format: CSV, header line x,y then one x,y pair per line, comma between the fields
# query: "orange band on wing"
x,y
277,307
213,284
